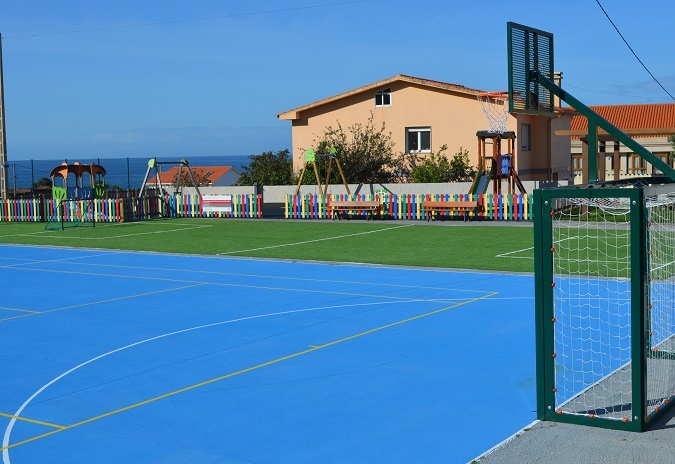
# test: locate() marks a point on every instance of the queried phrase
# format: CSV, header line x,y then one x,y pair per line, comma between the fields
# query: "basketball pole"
x,y
3,145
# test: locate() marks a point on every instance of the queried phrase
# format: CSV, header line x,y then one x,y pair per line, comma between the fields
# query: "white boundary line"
x,y
506,255
505,442
316,240
55,237
92,303
8,430
236,274
191,283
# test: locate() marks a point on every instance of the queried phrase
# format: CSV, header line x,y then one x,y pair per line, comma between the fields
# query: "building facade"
x,y
648,124
422,115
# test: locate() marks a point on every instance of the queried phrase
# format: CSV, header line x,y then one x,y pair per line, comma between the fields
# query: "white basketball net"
x,y
496,108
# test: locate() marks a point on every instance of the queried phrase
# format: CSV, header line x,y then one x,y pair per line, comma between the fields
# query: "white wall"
x,y
277,193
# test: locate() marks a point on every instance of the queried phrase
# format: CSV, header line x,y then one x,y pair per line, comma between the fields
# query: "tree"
x,y
460,167
43,182
268,169
436,167
671,139
365,152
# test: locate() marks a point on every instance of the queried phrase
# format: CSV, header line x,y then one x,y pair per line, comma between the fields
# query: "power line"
x,y
177,21
608,93
631,49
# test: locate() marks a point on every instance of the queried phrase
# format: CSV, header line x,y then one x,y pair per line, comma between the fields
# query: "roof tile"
x,y
640,116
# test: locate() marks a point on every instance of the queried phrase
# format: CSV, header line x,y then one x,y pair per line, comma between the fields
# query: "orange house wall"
x,y
454,119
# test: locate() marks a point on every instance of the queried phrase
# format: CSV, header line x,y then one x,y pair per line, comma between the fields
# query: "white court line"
x,y
47,311
8,431
222,284
4,308
506,255
55,236
102,225
264,276
506,441
316,240
26,262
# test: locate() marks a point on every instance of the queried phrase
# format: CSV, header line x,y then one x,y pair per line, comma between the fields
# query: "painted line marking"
x,y
10,426
103,225
32,421
4,308
506,255
28,262
93,303
124,235
6,446
316,240
277,277
191,283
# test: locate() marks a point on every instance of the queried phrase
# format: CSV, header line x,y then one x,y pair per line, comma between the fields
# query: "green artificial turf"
x,y
456,245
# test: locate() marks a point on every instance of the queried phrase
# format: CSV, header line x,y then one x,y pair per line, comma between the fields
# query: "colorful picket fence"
x,y
504,207
123,209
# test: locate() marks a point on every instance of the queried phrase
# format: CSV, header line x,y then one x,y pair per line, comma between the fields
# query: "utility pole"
x,y
3,143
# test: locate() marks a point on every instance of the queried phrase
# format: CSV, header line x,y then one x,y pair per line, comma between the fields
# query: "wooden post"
x,y
617,160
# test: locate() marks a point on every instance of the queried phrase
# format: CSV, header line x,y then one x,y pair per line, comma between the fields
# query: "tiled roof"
x,y
625,117
211,173
292,114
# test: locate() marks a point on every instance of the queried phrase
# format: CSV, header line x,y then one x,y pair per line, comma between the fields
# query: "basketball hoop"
x,y
496,107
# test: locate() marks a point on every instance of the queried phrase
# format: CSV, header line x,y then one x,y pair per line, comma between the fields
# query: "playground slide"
x,y
480,183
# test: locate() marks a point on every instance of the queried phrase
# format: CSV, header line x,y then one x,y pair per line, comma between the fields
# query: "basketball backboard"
x,y
529,50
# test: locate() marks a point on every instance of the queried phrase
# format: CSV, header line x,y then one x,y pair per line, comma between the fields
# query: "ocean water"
x,y
126,173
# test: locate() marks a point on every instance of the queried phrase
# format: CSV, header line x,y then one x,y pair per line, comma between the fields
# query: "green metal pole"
x,y
594,119
638,285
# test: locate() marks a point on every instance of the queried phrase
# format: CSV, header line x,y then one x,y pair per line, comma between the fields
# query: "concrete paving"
x,y
553,442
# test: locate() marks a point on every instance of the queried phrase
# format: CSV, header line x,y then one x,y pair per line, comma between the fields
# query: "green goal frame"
x,y
70,213
642,364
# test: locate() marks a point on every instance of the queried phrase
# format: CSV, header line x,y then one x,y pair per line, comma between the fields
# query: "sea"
x,y
126,173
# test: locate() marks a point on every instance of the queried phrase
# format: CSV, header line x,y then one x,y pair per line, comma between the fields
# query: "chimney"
x,y
557,80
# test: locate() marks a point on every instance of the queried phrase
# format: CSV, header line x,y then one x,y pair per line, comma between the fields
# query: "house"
x,y
212,176
648,124
423,114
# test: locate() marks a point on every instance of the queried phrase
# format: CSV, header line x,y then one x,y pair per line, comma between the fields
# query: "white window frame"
x,y
382,94
419,131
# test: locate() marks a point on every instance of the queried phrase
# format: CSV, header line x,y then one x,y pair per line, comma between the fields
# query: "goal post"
x,y
67,213
605,303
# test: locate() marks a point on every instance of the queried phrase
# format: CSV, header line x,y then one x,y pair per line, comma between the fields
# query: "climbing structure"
x,y
498,166
178,183
68,181
310,160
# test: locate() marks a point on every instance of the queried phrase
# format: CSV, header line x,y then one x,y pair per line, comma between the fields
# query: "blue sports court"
x,y
113,357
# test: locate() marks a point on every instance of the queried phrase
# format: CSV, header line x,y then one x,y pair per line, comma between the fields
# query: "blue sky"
x,y
87,78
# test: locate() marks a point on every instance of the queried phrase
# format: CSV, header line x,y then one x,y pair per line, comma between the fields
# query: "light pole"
x,y
3,144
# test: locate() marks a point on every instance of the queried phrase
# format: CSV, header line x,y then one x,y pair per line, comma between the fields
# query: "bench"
x,y
338,208
466,207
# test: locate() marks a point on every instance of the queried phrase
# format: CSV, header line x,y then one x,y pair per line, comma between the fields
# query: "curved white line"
x,y
10,426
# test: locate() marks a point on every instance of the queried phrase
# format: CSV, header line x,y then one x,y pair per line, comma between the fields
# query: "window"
x,y
383,98
636,165
577,165
418,140
525,137
663,157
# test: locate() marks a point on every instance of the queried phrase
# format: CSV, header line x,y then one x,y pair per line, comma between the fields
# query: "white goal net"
x,y
593,320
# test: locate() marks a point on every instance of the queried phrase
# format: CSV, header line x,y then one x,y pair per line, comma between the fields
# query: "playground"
x,y
356,342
